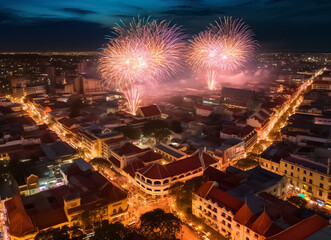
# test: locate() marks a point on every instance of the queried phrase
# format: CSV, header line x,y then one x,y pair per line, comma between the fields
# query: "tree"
x,y
131,132
158,129
113,231
175,189
158,224
150,127
297,201
162,134
184,198
100,162
246,163
176,127
63,233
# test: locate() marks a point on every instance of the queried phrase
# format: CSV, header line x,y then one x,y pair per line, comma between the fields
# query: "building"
x,y
92,140
111,144
232,149
321,85
255,214
151,112
125,155
156,178
238,98
309,178
246,133
204,110
169,153
59,151
87,197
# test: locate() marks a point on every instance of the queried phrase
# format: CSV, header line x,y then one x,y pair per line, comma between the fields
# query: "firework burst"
x,y
142,53
225,46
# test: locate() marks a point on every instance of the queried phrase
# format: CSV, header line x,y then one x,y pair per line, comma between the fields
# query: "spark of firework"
x,y
142,53
225,46
211,79
133,99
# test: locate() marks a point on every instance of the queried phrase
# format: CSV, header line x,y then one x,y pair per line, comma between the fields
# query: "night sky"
x,y
80,25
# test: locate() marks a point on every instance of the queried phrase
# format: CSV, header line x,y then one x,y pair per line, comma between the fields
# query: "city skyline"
x,y
83,25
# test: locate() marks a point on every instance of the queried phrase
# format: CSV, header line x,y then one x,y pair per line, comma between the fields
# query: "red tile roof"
x,y
129,149
224,199
302,230
20,223
132,168
205,107
244,215
205,188
262,224
158,171
49,218
150,156
150,111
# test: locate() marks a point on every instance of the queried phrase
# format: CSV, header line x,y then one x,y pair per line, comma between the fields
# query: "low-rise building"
x,y
169,153
151,112
156,178
231,150
125,155
88,198
253,215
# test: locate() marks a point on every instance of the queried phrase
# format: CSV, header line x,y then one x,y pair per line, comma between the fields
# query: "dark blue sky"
x,y
65,25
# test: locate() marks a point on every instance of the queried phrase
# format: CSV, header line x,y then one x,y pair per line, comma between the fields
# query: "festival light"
x,y
142,53
225,46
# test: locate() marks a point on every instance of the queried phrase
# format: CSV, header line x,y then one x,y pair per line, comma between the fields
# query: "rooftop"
x,y
169,150
57,150
150,111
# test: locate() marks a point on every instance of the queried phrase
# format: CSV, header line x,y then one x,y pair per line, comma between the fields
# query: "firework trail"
x,y
143,52
225,46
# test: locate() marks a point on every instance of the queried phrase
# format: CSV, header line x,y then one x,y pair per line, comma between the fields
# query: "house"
x,y
87,193
151,112
204,110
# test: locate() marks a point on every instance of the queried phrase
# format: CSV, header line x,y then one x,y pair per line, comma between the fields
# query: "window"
x,y
304,171
238,225
310,181
285,171
311,174
229,225
291,167
248,231
298,169
322,178
272,167
291,174
285,164
321,185
276,169
247,238
256,235
304,179
320,193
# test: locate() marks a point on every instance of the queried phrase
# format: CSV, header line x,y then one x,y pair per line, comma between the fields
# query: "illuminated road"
x,y
189,234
